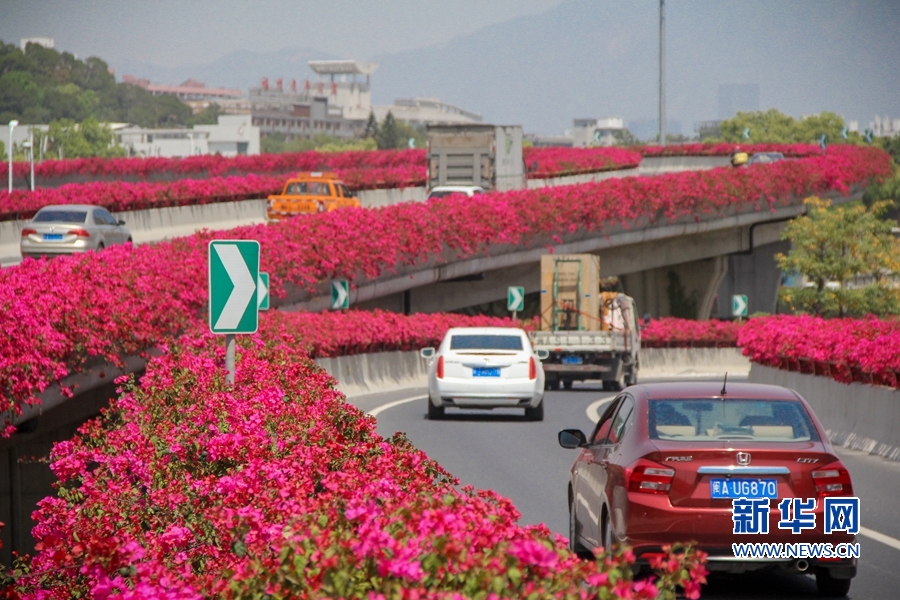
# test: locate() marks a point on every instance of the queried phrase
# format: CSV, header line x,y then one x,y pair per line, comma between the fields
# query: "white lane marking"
x,y
380,409
592,409
880,537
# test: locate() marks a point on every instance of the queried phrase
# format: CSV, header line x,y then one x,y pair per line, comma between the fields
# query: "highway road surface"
x,y
521,460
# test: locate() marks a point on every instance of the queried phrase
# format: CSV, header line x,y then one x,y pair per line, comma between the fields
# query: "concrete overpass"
x,y
719,255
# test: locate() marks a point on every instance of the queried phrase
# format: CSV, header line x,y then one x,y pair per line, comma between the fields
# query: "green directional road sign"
x,y
233,277
340,294
739,305
515,298
262,292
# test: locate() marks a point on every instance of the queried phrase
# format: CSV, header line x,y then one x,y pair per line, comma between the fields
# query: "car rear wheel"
x,y
609,536
576,548
536,413
828,586
435,412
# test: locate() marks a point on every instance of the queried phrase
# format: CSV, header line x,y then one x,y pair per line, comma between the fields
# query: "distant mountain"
x,y
598,58
240,69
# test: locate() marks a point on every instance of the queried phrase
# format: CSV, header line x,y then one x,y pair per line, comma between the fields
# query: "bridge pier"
x,y
684,290
756,275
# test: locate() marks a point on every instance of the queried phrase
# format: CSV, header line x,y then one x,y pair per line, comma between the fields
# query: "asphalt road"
x,y
521,460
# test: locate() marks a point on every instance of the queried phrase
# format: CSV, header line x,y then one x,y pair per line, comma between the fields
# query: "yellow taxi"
x,y
311,193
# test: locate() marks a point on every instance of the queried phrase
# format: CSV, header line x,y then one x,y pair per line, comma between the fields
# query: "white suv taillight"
x,y
440,367
532,368
650,477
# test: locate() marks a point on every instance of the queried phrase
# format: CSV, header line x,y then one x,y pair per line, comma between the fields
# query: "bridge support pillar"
x,y
686,290
756,275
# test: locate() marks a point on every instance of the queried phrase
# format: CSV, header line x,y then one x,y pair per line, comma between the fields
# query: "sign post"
x,y
515,299
233,297
739,304
340,294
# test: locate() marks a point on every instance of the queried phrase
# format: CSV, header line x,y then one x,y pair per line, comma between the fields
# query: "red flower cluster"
x,y
61,312
542,163
278,487
671,332
727,148
862,350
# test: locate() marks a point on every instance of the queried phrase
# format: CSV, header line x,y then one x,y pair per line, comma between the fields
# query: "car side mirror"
x,y
121,222
543,354
571,438
426,352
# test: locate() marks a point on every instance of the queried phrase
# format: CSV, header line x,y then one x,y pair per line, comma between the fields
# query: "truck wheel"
x,y
551,384
632,378
536,413
568,384
435,413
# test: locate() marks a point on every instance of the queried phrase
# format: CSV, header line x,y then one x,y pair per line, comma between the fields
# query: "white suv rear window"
x,y
485,342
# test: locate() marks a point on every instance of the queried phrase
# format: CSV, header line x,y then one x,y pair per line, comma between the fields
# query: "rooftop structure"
x,y
426,111
189,90
46,42
343,67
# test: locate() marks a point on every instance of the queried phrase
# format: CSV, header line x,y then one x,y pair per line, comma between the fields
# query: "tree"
x,y
371,130
388,135
845,253
624,137
80,140
773,126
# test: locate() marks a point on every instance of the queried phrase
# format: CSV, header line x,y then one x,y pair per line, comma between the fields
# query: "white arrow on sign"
x,y
244,287
263,292
740,305
341,294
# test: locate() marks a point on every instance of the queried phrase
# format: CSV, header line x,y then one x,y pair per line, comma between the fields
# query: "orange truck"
x,y
310,193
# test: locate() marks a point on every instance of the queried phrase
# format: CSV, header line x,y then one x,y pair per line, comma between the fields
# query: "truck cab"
x,y
310,193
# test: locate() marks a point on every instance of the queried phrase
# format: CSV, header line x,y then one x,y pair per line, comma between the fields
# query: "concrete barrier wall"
x,y
692,362
377,372
859,416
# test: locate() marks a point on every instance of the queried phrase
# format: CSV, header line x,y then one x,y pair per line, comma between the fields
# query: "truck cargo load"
x,y
588,333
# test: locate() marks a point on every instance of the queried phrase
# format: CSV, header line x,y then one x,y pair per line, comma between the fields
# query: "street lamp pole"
x,y
662,72
12,125
31,153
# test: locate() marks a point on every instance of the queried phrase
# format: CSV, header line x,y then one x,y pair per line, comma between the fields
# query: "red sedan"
x,y
679,462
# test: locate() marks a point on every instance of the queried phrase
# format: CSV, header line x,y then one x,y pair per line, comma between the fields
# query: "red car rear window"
x,y
712,419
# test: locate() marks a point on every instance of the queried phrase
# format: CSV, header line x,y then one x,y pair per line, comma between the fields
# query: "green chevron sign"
x,y
233,282
262,292
340,294
515,298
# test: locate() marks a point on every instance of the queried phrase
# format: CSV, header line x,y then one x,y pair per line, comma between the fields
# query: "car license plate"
x,y
485,372
52,237
743,488
571,360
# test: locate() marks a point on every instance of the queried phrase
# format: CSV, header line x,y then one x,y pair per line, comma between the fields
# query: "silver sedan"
x,y
71,228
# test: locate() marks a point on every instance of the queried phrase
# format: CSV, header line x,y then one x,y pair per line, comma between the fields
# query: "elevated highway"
x,y
644,255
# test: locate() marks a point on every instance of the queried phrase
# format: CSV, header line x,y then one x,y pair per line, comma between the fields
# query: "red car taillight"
x,y
650,478
532,368
440,367
80,233
28,231
833,480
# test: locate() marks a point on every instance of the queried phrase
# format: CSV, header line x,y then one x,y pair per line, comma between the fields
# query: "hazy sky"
x,y
540,63
177,32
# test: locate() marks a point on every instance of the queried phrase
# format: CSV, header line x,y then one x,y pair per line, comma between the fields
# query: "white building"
x,y
232,136
596,132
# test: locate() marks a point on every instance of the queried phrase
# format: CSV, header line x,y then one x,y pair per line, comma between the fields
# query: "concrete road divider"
x,y
858,416
377,372
692,362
